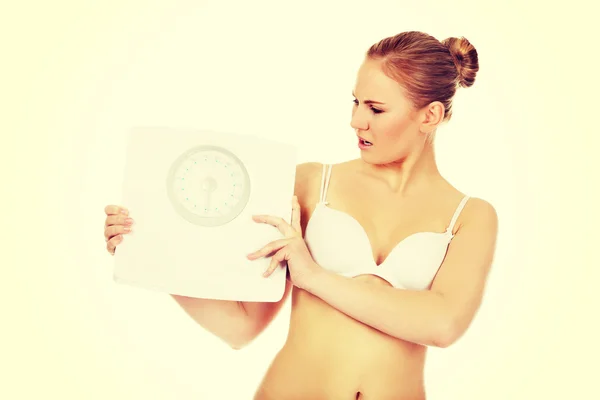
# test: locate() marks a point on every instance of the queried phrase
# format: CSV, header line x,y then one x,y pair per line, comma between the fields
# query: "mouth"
x,y
364,142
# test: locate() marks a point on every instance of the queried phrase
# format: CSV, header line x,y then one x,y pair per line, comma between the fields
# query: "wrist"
x,y
311,278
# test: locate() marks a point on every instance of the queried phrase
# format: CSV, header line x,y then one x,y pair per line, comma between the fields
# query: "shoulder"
x,y
313,168
305,174
477,208
479,214
307,169
308,178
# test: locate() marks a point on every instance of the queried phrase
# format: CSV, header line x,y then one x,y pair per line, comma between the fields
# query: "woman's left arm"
x,y
435,317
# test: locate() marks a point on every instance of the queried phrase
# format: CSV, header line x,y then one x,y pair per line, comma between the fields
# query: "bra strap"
x,y
325,182
457,213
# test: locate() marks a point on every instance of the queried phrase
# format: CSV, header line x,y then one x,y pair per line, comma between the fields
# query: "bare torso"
x,y
329,355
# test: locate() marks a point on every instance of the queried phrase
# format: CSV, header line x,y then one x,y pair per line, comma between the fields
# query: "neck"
x,y
411,174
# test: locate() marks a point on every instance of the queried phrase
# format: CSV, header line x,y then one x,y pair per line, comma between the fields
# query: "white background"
x,y
77,75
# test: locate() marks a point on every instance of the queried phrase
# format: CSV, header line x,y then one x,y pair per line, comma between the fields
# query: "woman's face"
x,y
383,116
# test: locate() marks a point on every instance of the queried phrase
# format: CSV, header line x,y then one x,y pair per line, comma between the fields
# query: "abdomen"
x,y
330,355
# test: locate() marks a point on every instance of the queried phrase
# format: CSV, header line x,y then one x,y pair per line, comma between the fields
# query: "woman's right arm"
x,y
235,322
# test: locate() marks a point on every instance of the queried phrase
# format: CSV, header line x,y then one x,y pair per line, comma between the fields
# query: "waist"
x,y
330,355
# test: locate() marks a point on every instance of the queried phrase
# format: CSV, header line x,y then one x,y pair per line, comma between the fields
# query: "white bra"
x,y
340,244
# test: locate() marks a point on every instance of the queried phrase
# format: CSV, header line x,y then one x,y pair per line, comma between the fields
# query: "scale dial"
x,y
208,185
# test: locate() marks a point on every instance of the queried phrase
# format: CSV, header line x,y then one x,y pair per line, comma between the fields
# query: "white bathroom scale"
x,y
192,194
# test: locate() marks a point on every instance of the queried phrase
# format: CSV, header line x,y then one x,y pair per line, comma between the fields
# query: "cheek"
x,y
394,128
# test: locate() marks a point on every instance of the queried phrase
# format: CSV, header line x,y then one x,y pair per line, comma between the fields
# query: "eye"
x,y
375,110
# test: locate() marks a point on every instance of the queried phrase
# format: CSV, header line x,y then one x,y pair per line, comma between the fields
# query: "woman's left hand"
x,y
292,248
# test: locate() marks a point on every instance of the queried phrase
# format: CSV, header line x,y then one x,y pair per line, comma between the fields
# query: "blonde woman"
x,y
385,256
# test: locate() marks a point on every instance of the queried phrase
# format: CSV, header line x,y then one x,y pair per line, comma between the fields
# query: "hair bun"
x,y
465,59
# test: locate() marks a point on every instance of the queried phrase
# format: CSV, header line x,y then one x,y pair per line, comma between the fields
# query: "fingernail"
x,y
124,212
129,221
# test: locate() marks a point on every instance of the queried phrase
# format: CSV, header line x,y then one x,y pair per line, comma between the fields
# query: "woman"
x,y
385,257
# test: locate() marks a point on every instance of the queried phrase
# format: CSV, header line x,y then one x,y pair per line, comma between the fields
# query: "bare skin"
x,y
329,355
393,190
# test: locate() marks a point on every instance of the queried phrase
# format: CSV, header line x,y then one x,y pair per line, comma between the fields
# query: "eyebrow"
x,y
368,101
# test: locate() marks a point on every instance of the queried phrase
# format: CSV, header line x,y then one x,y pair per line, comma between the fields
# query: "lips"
x,y
365,142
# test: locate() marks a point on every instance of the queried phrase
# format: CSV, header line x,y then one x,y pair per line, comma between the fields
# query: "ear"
x,y
432,115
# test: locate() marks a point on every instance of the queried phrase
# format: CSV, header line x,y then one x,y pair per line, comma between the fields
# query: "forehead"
x,y
374,84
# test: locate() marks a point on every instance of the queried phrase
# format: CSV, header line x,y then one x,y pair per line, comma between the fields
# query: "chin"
x,y
368,157
377,159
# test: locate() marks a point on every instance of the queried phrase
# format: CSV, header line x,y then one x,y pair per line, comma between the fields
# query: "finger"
x,y
269,248
115,210
278,222
114,230
118,219
296,215
276,261
111,245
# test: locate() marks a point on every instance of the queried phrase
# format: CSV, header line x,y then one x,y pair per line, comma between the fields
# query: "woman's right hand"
x,y
117,223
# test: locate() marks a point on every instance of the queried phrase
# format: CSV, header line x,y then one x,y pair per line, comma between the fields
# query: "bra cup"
x,y
415,262
339,244
335,243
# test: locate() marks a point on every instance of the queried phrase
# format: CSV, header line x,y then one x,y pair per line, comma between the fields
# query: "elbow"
x,y
447,334
241,339
237,345
237,342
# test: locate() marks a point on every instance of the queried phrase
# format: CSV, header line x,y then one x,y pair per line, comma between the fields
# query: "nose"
x,y
359,120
